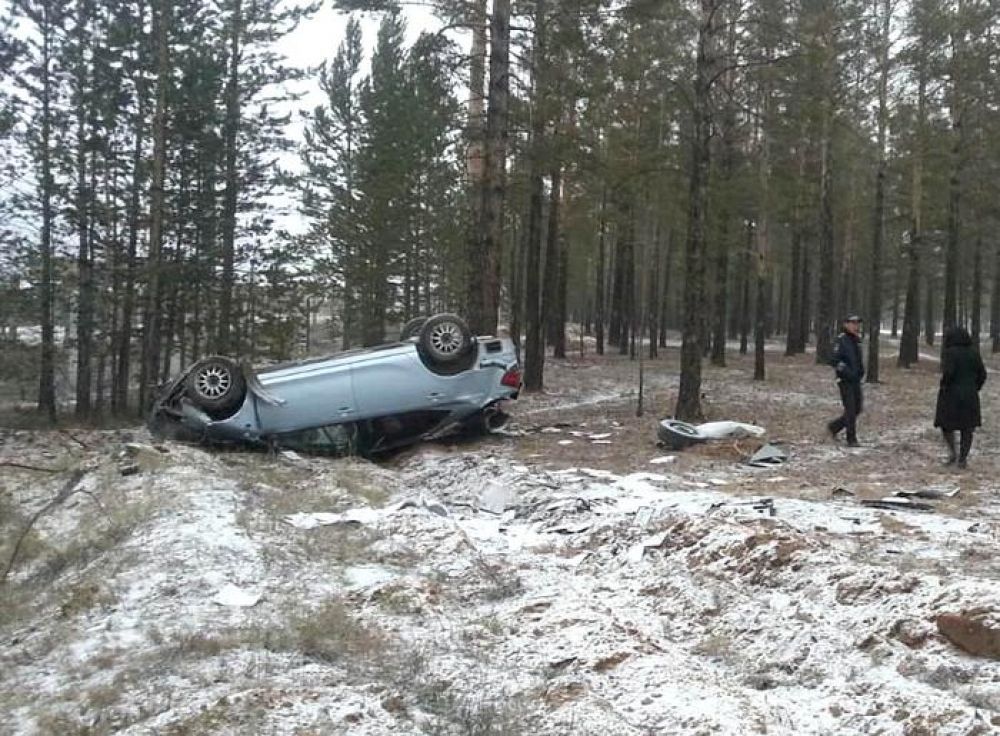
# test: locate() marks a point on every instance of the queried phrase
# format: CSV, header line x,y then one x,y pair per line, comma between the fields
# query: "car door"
x,y
395,382
310,394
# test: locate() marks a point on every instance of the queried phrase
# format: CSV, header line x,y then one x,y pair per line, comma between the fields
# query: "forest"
x,y
722,171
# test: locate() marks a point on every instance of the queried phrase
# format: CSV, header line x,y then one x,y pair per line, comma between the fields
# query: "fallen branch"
x,y
68,489
25,466
76,439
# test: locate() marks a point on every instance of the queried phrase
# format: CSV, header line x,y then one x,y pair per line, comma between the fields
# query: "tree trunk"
x,y
747,258
824,313
484,284
878,225
665,289
550,292
476,160
977,293
224,342
689,391
84,261
152,307
599,317
534,346
46,368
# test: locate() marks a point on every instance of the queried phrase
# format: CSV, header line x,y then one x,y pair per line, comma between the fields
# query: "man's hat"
x,y
853,318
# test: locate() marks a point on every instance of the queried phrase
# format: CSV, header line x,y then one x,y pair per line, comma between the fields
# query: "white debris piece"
x,y
322,518
565,442
231,595
663,460
600,436
495,497
723,430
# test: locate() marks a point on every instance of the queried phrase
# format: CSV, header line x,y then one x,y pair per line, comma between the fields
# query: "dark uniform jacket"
x,y
962,375
847,358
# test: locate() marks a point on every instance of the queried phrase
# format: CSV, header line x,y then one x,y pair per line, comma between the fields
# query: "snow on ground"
x,y
568,577
587,602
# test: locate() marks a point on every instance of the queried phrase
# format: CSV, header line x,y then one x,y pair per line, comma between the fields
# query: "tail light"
x,y
512,378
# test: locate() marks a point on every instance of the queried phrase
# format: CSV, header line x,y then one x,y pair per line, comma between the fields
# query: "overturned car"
x,y
437,380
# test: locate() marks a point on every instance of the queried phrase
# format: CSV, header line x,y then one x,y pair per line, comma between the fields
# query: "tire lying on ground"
x,y
445,344
216,385
411,328
677,435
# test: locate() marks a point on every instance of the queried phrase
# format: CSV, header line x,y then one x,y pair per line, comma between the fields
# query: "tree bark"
x,y
224,342
599,317
878,225
484,284
689,392
152,306
46,368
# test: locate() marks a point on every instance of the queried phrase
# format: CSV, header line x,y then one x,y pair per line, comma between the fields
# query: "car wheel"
x,y
216,385
445,340
677,435
411,328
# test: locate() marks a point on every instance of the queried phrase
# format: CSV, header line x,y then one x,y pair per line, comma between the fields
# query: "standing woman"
x,y
962,375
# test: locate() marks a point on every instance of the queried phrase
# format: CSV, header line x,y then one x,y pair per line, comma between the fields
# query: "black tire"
x,y
445,341
216,385
677,435
411,328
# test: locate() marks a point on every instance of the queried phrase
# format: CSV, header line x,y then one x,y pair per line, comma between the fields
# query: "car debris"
x,y
841,492
934,494
495,498
232,595
759,504
441,381
662,460
677,435
729,430
896,503
768,456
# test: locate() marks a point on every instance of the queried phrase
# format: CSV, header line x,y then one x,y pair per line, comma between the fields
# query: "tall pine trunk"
x,y
152,309
46,368
224,342
689,391
878,225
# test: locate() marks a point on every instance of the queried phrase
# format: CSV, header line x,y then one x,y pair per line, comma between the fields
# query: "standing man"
x,y
850,370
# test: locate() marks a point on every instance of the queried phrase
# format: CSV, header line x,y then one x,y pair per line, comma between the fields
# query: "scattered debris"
x,y
292,456
231,595
565,442
678,435
128,469
729,430
929,493
662,460
495,498
895,503
768,456
841,492
600,435
760,504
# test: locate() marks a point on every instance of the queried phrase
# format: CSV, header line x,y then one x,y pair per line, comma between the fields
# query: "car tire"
x,y
677,435
446,343
412,328
216,385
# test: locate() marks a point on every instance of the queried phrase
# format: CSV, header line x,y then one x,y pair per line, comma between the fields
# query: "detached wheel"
x,y
445,340
412,328
677,435
216,385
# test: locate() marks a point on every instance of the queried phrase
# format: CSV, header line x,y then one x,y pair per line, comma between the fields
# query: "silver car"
x,y
437,380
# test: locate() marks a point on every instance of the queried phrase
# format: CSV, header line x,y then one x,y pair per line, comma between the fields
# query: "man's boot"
x,y
949,439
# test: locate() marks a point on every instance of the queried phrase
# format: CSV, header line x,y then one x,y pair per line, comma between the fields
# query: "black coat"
x,y
962,375
847,358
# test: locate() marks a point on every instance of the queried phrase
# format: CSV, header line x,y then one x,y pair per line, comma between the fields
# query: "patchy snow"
x,y
454,589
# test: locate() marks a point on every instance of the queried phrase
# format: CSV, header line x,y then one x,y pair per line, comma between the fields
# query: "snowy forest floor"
x,y
552,580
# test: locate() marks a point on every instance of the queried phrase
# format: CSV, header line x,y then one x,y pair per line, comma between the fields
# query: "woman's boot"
x,y
963,453
949,439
